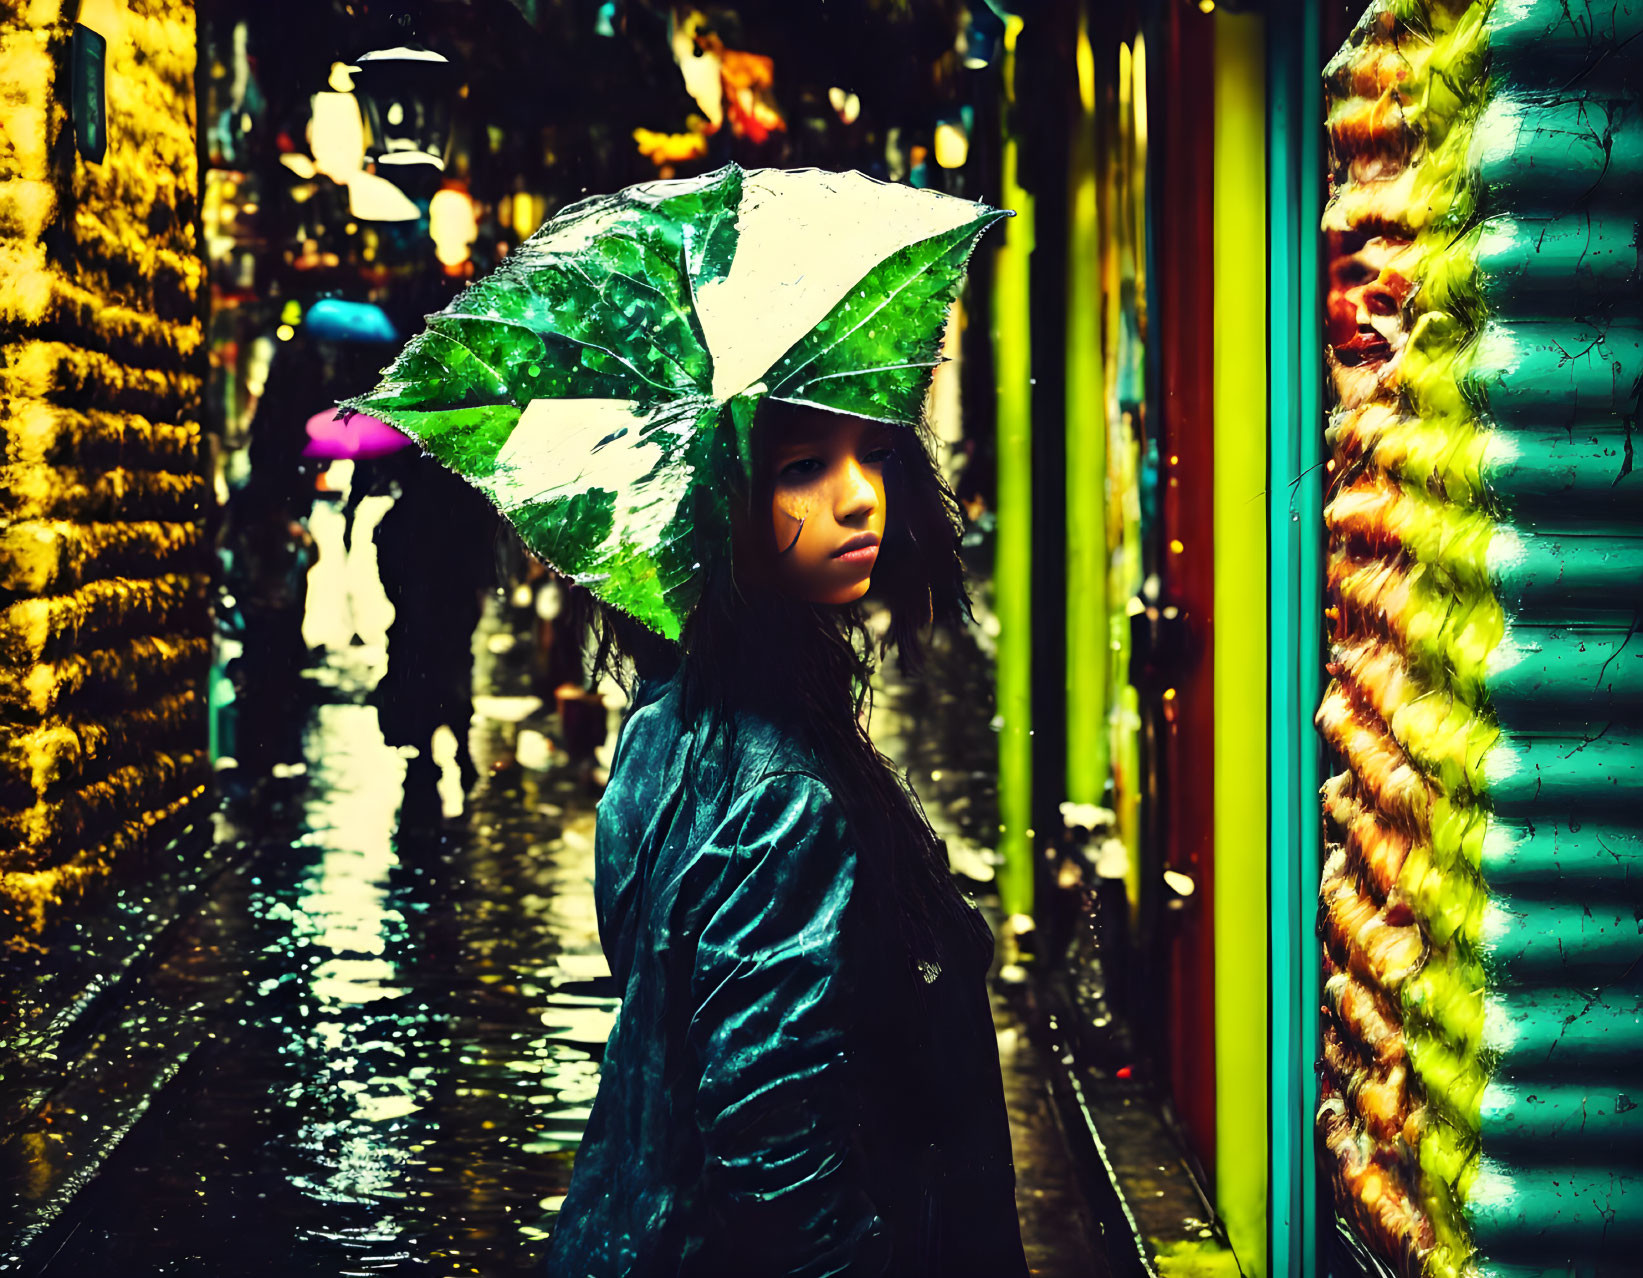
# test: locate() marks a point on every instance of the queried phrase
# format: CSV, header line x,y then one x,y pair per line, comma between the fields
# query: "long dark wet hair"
x,y
808,667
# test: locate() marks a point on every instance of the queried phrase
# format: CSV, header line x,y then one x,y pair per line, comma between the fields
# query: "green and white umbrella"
x,y
600,385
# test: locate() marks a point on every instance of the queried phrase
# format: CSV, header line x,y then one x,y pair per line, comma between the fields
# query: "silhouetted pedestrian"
x,y
436,555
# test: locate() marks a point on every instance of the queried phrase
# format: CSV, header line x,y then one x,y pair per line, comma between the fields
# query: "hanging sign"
x,y
90,119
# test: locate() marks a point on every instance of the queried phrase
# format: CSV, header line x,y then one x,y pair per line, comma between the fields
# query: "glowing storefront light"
x,y
847,105
527,211
337,136
376,199
700,67
453,226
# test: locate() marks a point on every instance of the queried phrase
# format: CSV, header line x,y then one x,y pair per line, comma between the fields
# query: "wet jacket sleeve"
x,y
772,987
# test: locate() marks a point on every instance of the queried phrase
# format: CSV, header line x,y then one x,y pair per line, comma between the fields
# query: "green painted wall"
x,y
1240,637
1012,575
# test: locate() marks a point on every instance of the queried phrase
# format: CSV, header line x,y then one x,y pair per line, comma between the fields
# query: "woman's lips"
x,y
858,550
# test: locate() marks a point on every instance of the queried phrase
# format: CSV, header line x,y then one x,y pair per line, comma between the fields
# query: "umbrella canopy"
x,y
331,319
600,385
334,436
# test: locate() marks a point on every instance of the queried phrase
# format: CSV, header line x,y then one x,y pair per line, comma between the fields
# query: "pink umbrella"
x,y
359,437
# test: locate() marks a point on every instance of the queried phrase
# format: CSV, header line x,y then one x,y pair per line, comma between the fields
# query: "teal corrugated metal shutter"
x,y
1482,904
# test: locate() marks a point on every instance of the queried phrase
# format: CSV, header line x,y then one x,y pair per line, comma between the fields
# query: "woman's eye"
x,y
878,456
803,468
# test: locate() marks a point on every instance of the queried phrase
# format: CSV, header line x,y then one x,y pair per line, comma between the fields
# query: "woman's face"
x,y
827,511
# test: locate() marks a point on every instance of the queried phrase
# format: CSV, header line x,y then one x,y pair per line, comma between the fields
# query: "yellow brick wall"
x,y
104,564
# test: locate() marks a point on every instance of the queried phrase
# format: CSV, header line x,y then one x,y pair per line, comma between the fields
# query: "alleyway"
x,y
400,1003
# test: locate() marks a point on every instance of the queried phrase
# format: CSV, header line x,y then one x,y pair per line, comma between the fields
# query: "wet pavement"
x,y
377,1036
404,1014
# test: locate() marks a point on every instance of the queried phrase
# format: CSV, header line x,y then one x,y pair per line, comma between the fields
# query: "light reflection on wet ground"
x,y
409,1012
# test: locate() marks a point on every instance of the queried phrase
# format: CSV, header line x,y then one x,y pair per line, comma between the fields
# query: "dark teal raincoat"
x,y
775,1099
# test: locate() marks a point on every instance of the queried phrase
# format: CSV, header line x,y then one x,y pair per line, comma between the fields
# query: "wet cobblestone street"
x,y
392,1004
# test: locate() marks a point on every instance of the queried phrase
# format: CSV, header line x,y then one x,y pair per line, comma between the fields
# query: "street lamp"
x,y
406,93
982,35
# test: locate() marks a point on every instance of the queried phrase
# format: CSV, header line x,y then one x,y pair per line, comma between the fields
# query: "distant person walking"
x,y
436,556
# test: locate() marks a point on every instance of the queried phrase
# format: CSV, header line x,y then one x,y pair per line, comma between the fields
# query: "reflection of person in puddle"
x,y
804,1076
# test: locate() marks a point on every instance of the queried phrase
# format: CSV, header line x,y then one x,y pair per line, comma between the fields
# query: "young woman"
x,y
803,1078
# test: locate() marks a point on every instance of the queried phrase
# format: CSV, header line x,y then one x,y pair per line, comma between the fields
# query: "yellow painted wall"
x,y
1240,652
1012,340
105,644
1088,626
